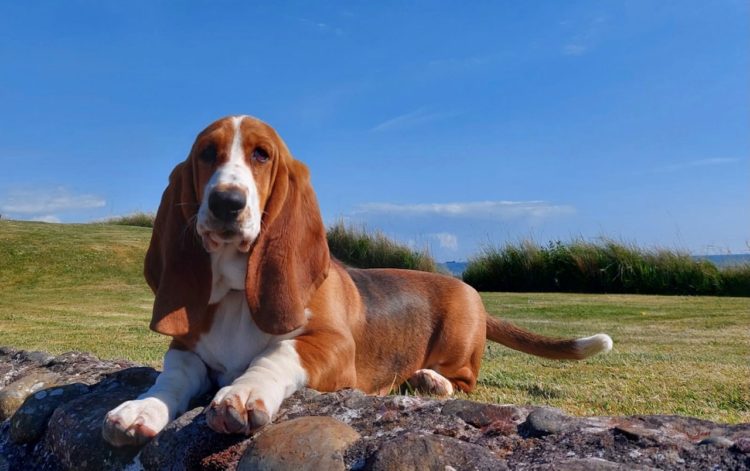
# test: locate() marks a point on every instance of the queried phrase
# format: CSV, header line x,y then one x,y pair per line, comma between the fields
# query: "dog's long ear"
x,y
177,268
290,258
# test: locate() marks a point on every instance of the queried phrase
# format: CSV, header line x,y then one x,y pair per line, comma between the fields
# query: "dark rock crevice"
x,y
53,407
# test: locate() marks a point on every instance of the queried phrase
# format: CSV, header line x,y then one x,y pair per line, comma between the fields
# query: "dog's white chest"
x,y
233,340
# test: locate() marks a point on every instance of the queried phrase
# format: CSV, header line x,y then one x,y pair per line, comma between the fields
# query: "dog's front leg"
x,y
135,422
253,398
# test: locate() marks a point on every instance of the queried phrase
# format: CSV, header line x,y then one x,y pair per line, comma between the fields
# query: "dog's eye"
x,y
260,155
208,155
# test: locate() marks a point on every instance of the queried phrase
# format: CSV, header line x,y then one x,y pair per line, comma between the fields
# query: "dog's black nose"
x,y
226,205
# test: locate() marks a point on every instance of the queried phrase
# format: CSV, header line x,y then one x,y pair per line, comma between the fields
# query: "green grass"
x,y
79,287
139,219
602,267
76,287
672,355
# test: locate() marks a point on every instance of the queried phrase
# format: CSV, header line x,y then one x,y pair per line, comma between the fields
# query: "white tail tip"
x,y
599,343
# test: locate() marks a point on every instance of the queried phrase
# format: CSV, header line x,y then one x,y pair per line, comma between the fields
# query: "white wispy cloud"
x,y
574,49
446,240
697,163
585,38
41,202
477,209
46,218
322,27
413,118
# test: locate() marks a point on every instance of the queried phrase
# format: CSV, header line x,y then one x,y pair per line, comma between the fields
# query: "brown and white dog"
x,y
257,307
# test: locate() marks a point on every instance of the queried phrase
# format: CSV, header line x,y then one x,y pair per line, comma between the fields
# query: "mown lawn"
x,y
79,287
672,355
76,287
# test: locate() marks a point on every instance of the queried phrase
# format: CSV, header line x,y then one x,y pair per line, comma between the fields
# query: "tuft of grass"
x,y
139,219
603,267
358,248
735,280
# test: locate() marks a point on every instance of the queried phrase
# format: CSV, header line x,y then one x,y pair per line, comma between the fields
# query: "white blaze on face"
x,y
234,173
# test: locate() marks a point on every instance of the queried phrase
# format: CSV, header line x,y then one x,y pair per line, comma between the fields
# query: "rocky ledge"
x,y
52,407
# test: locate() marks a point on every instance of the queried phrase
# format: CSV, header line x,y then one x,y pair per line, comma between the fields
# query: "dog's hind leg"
x,y
427,381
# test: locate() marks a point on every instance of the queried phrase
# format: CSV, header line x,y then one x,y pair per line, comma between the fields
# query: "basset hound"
x,y
256,306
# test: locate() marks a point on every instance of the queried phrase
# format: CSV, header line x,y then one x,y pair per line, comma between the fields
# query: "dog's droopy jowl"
x,y
256,306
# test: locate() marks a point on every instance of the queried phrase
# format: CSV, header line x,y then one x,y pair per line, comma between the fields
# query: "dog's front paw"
x,y
135,422
236,409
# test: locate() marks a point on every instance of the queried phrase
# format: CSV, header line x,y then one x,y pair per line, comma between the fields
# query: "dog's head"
x,y
239,187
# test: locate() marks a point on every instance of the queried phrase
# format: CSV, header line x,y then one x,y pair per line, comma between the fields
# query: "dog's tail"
x,y
534,344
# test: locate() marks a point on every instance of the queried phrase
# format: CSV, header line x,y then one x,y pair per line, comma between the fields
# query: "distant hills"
x,y
455,268
725,260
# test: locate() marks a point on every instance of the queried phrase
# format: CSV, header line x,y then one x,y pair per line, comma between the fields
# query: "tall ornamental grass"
x,y
139,219
602,267
362,249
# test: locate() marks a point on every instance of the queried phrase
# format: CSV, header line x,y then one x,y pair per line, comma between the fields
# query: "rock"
x,y
30,420
593,464
356,399
30,372
16,364
403,403
305,444
395,432
74,434
742,445
636,433
6,351
86,368
13,395
482,415
417,452
40,358
5,372
721,442
546,421
188,443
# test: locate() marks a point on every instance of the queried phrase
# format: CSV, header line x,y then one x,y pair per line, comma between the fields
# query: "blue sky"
x,y
448,125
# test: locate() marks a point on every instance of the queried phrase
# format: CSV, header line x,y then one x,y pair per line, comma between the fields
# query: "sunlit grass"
x,y
80,287
672,355
76,287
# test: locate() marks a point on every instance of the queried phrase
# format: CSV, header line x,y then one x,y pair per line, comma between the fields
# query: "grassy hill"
x,y
76,286
79,287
